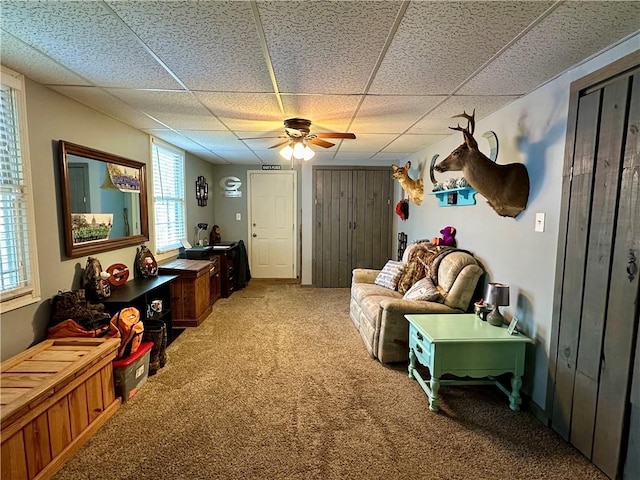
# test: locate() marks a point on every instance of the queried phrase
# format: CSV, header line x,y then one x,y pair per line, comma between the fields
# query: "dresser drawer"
x,y
420,346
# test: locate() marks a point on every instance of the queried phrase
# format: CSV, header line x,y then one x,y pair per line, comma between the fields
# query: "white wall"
x,y
532,131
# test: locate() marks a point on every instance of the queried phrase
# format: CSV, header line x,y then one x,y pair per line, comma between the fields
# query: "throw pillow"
x,y
390,274
423,289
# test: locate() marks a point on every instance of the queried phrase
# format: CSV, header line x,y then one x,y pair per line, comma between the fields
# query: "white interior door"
x,y
272,223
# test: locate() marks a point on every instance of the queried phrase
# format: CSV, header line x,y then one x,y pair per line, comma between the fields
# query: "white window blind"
x,y
168,197
18,274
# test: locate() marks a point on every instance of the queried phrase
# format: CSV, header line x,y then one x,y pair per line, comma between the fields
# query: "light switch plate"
x,y
539,222
238,216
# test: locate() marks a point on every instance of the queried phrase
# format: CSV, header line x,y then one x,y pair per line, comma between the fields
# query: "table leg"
x,y
514,397
434,398
412,362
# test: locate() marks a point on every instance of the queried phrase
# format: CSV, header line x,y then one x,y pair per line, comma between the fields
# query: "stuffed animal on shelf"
x,y
448,237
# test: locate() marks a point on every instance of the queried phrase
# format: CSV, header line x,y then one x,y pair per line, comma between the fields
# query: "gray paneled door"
x,y
351,223
597,283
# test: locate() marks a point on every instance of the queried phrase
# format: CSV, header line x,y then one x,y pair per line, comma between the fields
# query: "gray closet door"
x,y
352,222
596,310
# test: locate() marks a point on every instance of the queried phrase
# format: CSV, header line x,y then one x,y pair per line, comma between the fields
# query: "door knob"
x,y
632,267
254,235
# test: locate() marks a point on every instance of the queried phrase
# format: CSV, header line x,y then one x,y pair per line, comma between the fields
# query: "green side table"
x,y
464,346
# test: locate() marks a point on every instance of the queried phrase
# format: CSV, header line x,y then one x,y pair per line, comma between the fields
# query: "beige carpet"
x,y
276,384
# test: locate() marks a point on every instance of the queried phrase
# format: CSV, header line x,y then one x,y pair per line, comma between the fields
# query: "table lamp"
x,y
497,295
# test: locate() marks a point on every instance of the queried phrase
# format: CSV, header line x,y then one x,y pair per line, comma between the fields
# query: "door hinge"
x,y
571,174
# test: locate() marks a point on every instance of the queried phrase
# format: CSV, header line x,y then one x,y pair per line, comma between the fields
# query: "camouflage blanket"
x,y
423,259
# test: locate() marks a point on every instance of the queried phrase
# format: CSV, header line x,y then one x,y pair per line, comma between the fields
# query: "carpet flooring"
x,y
277,384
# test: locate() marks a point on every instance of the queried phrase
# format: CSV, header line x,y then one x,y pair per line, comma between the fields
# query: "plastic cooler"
x,y
130,373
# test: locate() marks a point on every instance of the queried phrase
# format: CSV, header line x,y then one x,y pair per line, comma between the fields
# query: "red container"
x,y
130,373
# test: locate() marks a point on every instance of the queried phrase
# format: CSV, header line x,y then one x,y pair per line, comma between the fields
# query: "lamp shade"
x,y
298,150
497,294
287,152
308,153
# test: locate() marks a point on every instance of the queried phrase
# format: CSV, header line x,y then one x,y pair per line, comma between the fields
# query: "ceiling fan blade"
x,y
321,143
336,135
278,144
261,138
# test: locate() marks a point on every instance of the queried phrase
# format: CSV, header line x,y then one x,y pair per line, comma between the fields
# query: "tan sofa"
x,y
378,312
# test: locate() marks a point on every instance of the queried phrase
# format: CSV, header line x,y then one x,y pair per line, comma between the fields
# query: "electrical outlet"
x,y
238,216
539,227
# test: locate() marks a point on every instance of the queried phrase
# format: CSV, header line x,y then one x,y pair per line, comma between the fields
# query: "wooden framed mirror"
x,y
104,200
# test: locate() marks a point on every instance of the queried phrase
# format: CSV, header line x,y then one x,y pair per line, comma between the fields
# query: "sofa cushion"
x,y
390,274
362,290
423,289
370,307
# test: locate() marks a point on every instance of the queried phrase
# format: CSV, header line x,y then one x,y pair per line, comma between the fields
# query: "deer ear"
x,y
407,165
470,141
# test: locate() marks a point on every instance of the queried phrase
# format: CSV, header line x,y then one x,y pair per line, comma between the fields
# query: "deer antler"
x,y
471,122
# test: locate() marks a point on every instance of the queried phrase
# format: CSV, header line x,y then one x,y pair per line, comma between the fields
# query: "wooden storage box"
x,y
190,297
53,397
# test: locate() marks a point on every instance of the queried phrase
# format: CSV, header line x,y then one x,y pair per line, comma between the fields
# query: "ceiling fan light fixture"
x,y
308,154
299,149
287,152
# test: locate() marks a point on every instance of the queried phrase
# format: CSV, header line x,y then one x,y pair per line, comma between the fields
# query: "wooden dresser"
x,y
215,279
190,292
227,253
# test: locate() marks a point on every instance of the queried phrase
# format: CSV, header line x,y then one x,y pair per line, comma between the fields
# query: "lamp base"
x,y
495,318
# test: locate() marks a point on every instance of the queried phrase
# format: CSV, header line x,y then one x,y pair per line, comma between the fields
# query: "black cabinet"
x,y
229,255
139,293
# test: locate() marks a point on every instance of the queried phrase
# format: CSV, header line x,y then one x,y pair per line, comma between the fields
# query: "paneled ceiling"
x,y
203,75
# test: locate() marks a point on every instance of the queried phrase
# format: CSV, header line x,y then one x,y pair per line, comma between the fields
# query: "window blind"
x,y
16,278
169,197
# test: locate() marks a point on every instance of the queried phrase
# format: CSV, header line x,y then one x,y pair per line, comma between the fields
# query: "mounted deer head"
x,y
506,187
414,188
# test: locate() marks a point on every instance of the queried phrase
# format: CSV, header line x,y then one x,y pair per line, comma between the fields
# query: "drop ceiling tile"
x,y
87,38
307,41
220,52
440,119
25,59
175,138
390,158
392,113
347,157
176,109
257,141
244,111
326,112
240,157
100,100
412,143
215,140
440,44
574,31
367,142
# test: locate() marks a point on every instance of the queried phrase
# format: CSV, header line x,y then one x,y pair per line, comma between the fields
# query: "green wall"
x,y
52,117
